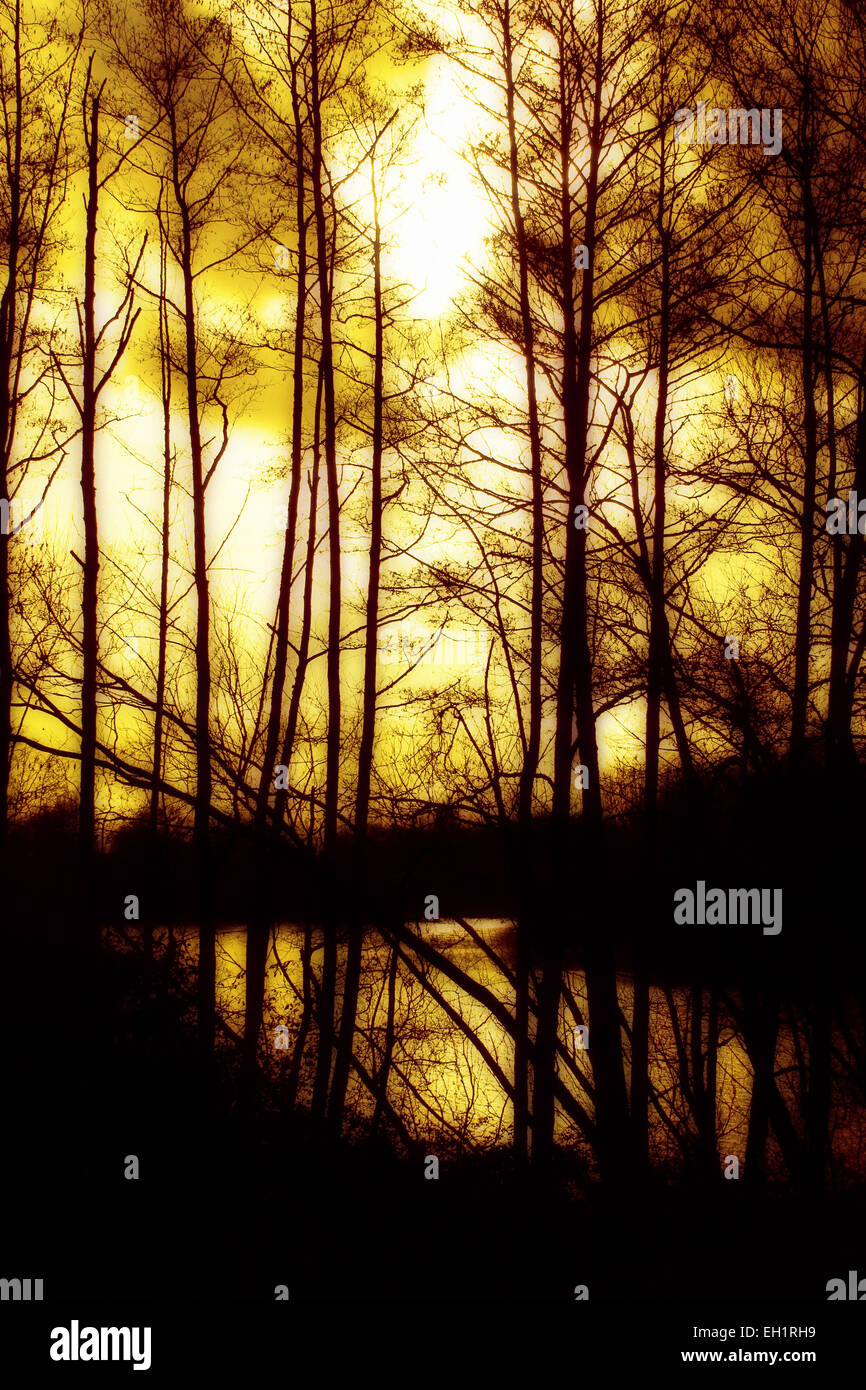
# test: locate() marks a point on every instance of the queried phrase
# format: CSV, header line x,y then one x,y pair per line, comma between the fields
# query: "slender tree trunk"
x,y
201,815
574,687
658,634
167,479
5,675
281,625
658,616
368,719
576,677
848,567
306,611
681,738
711,1089
332,786
294,1077
522,853
803,639
760,1029
8,338
704,1078
671,689
840,755
89,639
5,669
390,1036
267,838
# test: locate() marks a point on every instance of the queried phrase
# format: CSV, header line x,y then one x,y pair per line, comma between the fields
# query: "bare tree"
x,y
36,90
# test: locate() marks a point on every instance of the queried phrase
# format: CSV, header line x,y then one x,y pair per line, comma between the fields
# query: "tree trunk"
x,y
760,1030
576,675
332,786
523,857
294,1077
848,566
390,1034
8,336
803,639
201,817
306,612
267,837
89,639
167,479
368,718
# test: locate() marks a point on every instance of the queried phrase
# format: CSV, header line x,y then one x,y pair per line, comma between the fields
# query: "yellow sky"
x,y
435,221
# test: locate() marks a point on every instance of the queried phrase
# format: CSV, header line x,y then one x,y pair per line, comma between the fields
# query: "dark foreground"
x,y
232,1203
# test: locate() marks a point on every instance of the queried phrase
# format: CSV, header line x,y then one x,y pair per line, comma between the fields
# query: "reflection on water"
x,y
447,1045
441,1060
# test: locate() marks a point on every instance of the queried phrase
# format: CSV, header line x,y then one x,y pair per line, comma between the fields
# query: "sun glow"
x,y
440,217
